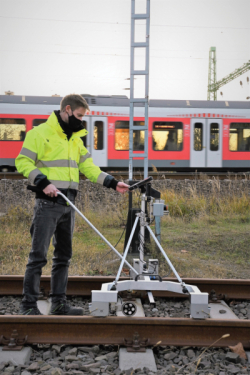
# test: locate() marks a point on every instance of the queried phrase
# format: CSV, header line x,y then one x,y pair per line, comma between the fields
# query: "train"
x,y
183,135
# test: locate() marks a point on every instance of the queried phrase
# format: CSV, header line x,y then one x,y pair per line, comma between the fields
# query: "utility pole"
x,y
211,94
133,100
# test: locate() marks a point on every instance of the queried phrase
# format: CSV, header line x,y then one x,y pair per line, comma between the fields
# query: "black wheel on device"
x,y
129,308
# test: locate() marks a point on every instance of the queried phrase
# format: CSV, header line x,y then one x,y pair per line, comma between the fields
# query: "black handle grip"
x,y
140,183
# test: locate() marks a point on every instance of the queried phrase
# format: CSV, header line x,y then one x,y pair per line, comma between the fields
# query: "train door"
x,y
197,143
206,143
214,143
97,138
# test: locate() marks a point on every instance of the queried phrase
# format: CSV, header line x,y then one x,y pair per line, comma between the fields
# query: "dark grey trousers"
x,y
50,219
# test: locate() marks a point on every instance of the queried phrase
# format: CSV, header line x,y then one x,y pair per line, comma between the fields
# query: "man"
x,y
170,144
51,157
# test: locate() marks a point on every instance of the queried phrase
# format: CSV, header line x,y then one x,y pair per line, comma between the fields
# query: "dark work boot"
x,y
61,308
29,310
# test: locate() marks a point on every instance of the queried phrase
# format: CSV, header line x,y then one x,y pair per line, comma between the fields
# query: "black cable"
x,y
115,244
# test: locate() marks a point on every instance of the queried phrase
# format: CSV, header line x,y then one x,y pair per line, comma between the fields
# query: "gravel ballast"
x,y
104,360
169,308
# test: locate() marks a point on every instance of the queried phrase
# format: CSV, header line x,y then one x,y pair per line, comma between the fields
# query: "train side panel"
x,y
169,142
236,144
13,130
162,153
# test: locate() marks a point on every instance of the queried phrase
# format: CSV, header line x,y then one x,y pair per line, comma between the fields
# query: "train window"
x,y
167,136
12,129
198,136
214,136
239,137
84,139
38,121
98,135
122,136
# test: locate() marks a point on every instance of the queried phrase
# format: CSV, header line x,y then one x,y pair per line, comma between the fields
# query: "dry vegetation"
x,y
204,236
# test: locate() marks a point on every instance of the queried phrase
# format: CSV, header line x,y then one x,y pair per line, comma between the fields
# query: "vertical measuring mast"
x,y
133,100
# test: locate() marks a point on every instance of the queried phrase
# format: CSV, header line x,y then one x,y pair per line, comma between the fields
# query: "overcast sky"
x,y
83,46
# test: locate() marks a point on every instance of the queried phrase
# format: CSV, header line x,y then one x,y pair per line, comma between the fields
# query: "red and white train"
x,y
183,135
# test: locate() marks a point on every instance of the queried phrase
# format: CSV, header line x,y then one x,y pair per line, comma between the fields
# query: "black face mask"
x,y
75,124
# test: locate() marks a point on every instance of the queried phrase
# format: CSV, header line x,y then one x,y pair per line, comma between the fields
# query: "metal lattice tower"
x,y
213,86
133,100
211,94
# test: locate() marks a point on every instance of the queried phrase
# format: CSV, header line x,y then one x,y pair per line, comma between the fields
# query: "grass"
x,y
218,250
204,236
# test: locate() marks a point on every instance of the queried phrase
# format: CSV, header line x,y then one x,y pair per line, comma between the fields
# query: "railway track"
x,y
161,175
83,285
88,330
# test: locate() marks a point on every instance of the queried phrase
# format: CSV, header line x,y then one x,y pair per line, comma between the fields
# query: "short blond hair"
x,y
75,101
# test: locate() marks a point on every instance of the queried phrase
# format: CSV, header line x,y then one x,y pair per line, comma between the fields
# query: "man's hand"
x,y
50,190
121,187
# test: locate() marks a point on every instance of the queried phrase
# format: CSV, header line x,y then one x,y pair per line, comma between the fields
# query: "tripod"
x,y
156,208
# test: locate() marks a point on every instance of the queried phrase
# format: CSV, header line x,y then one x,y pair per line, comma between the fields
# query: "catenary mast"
x,y
213,85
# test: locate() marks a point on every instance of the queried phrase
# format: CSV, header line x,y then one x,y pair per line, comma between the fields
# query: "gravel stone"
x,y
33,367
10,369
170,356
101,358
94,370
2,365
47,355
190,353
232,357
57,348
56,371
112,355
54,363
70,358
73,351
91,365
45,368
72,366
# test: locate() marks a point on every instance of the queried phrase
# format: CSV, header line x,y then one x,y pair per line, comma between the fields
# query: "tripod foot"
x,y
184,289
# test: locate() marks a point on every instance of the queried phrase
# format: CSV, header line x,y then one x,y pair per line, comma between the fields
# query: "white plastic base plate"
x,y
221,311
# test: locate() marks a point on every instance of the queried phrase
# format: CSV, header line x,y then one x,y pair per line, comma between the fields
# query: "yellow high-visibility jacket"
x,y
47,150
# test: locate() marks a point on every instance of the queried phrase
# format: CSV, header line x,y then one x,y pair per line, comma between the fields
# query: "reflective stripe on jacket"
x,y
47,150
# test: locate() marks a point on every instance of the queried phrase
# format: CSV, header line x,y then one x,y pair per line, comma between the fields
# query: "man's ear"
x,y
68,109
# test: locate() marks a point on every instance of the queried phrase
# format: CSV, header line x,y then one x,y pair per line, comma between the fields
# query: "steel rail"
x,y
87,330
83,285
156,175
